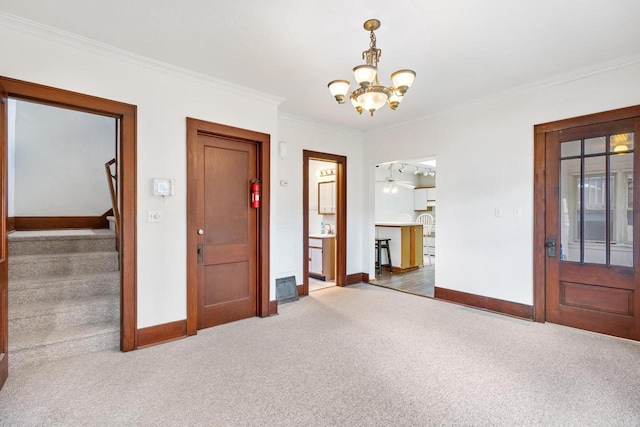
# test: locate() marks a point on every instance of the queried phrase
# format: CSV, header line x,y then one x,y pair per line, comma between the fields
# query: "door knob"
x,y
200,253
551,246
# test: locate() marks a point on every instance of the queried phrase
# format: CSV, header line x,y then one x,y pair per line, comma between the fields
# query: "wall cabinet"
x,y
424,198
322,254
405,245
327,198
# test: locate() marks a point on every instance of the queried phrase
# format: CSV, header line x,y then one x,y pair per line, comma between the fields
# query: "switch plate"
x,y
517,212
154,216
498,212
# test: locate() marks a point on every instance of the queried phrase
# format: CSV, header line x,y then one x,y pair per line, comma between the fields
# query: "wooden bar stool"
x,y
380,245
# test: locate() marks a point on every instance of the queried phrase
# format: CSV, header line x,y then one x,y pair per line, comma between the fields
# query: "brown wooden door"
x,y
4,276
591,241
227,262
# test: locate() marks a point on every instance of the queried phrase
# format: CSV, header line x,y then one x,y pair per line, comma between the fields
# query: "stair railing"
x,y
113,182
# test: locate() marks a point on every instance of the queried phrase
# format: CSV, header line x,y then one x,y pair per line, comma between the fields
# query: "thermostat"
x,y
164,187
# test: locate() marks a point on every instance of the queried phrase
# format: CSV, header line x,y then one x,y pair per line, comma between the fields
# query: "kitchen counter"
x,y
405,245
321,236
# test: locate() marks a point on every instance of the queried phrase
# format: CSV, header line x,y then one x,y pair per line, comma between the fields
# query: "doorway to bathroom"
x,y
324,221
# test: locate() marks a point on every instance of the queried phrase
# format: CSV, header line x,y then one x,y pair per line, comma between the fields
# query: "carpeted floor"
x,y
356,356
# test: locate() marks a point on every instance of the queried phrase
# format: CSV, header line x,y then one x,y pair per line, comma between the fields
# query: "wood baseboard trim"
x,y
508,308
59,222
300,287
273,307
11,224
158,334
354,279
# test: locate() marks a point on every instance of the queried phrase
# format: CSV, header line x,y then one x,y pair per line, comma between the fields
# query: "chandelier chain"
x,y
373,54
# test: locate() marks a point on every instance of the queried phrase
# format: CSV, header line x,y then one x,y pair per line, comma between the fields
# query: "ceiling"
x,y
461,50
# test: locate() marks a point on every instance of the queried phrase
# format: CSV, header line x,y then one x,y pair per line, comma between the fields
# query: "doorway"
x,y
227,235
126,116
405,222
324,203
586,205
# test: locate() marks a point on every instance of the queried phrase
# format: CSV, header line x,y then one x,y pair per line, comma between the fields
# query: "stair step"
x,y
48,315
34,266
60,241
24,291
34,347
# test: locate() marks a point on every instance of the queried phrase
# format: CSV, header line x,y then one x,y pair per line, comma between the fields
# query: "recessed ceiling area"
x,y
460,51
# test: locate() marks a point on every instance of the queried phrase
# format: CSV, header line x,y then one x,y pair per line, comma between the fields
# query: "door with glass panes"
x,y
590,212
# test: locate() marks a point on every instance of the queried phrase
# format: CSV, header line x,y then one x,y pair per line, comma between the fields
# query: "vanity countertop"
x,y
322,236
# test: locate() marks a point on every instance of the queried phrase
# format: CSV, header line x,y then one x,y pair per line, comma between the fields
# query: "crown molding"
x,y
311,122
558,80
64,37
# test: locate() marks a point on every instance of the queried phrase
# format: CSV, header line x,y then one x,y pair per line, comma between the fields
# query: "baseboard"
x,y
354,279
157,334
300,294
273,307
59,222
11,224
509,308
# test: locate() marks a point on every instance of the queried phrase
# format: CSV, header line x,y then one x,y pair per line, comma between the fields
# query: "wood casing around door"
x,y
599,297
341,216
127,116
218,148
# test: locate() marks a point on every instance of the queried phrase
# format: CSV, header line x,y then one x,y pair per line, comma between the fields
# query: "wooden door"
x,y
227,247
591,254
4,275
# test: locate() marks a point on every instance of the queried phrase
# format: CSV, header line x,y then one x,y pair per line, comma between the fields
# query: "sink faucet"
x,y
324,229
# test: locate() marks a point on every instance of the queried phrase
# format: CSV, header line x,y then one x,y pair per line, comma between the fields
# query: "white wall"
x,y
59,161
485,161
392,207
165,97
287,218
315,219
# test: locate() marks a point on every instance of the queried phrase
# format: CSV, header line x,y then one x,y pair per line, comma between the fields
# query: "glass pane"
x,y
621,142
594,145
595,214
621,165
570,148
569,205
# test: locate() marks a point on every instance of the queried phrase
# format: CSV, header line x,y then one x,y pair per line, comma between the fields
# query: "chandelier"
x,y
371,95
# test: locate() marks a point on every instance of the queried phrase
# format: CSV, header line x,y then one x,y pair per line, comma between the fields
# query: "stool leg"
x,y
389,258
379,259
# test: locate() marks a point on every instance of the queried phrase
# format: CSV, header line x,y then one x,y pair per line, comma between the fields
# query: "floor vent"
x,y
286,289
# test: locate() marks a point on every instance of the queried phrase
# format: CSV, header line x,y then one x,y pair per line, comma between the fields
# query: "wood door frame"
x,y
539,199
263,142
341,216
126,113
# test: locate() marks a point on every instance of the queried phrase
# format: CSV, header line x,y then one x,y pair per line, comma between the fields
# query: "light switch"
x,y
517,212
154,216
498,212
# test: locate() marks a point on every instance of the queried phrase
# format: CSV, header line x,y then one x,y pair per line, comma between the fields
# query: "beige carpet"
x,y
357,356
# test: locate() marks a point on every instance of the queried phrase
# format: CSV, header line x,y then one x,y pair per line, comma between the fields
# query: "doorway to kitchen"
x,y
405,220
324,221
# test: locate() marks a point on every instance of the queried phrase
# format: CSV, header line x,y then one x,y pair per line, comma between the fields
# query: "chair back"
x,y
427,223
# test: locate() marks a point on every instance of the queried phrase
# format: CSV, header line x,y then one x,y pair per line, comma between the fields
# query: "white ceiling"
x,y
460,49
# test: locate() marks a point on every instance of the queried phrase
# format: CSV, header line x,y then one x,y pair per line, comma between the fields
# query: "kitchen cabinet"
x,y
322,254
424,198
327,198
405,245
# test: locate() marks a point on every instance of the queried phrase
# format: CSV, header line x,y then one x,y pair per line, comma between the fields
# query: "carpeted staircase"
x,y
64,289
